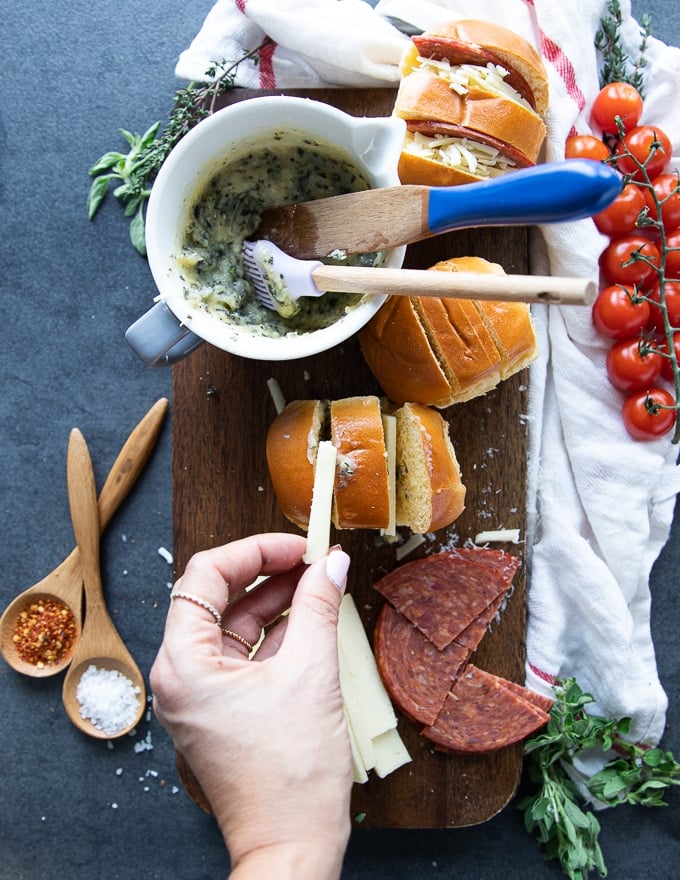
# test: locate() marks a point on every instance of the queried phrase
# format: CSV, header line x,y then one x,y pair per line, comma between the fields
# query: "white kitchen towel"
x,y
600,504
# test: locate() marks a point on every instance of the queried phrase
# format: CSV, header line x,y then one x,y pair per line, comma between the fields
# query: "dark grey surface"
x,y
72,74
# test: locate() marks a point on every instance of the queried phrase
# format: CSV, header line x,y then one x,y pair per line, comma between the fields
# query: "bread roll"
x,y
474,344
291,448
397,348
492,119
480,42
429,491
473,95
361,497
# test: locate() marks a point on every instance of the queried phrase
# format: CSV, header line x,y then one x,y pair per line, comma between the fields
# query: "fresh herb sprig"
x,y
556,811
617,66
134,172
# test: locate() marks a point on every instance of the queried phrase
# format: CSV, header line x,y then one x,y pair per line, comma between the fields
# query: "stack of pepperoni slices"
x,y
436,614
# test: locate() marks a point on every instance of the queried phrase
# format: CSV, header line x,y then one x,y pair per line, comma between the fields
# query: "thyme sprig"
x,y
617,66
134,172
556,810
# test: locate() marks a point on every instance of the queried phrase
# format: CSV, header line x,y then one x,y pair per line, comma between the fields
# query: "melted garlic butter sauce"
x,y
227,211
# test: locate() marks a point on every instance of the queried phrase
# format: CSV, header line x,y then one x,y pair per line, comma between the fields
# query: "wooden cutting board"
x,y
221,491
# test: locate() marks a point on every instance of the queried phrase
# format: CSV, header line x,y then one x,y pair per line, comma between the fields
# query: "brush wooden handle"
x,y
457,285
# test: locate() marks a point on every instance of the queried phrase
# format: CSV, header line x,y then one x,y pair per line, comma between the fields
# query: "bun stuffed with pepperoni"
x,y
473,95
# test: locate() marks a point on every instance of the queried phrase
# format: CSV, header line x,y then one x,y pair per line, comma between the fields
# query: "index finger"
x,y
216,574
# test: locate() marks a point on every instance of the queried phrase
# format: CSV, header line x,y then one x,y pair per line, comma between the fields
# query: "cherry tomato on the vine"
x,y
617,99
647,144
632,368
639,253
585,146
673,254
667,191
671,296
619,217
649,414
619,313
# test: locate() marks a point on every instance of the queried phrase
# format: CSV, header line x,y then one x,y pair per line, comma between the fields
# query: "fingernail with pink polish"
x,y
337,565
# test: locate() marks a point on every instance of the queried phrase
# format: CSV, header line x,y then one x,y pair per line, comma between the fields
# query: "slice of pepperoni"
x,y
482,715
416,674
458,52
544,703
499,561
431,128
442,595
473,634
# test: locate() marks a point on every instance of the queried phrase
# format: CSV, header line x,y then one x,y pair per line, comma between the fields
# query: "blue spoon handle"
x,y
556,192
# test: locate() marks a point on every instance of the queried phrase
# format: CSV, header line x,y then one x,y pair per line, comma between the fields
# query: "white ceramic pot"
x,y
172,328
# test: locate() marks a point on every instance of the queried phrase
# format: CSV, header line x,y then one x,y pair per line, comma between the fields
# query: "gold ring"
x,y
196,600
230,634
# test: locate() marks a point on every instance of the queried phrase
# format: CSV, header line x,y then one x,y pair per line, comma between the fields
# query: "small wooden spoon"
x,y
99,645
65,582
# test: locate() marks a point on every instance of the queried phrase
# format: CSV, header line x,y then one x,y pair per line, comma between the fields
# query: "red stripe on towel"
x,y
562,64
266,56
544,676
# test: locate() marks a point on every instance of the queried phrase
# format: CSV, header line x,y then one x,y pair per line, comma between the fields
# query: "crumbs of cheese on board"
x,y
511,536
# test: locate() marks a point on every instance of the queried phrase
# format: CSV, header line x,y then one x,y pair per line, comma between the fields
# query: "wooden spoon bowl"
x,y
100,645
65,582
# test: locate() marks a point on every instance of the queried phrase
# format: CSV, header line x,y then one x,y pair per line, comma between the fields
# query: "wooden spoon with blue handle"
x,y
376,219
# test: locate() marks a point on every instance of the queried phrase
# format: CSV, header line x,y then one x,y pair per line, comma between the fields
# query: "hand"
x,y
266,738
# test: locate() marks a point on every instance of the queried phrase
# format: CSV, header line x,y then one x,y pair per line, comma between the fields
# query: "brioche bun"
x,y
361,498
486,42
474,344
430,494
429,491
291,455
508,125
472,95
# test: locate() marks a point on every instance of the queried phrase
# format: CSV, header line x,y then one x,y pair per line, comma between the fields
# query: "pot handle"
x,y
159,339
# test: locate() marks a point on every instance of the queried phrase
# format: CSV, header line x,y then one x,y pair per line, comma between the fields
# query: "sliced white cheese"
x,y
411,544
318,533
363,742
377,714
390,432
358,769
276,393
389,752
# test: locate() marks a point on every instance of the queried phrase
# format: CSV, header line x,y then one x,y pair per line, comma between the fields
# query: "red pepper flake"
x,y
44,632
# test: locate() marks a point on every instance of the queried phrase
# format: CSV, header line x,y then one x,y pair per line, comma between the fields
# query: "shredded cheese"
x,y
462,78
474,157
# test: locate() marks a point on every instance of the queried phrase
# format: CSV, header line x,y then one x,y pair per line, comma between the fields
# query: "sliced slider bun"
x,y
291,451
473,95
473,344
429,491
427,102
472,41
361,497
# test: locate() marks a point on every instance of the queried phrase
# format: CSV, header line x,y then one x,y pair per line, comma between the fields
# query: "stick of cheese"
x,y
371,719
318,533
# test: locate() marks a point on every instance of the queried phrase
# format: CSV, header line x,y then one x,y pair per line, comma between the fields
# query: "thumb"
x,y
316,603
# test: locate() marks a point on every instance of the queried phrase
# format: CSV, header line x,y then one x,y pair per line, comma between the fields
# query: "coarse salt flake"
x,y
107,699
166,554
